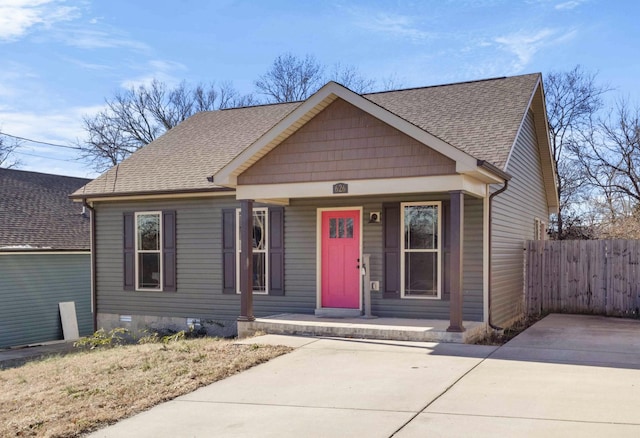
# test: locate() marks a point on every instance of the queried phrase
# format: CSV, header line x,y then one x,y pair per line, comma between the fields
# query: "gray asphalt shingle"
x,y
481,118
35,211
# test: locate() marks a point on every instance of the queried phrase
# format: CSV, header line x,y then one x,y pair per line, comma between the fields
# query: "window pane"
x,y
350,228
421,274
259,234
149,270
341,228
259,272
149,232
332,228
421,227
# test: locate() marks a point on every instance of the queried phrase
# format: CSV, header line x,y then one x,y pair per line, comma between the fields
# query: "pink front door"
x,y
341,259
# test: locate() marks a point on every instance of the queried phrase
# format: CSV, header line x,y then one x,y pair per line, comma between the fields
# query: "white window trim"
x,y
265,250
438,250
160,251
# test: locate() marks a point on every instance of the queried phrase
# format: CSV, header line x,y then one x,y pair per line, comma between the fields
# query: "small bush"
x,y
115,337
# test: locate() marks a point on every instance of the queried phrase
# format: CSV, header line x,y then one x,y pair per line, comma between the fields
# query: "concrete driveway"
x,y
565,376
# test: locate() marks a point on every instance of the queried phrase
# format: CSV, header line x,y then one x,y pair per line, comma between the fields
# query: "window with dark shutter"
x,y
268,241
149,249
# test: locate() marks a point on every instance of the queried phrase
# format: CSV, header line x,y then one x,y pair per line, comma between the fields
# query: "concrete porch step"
x,y
395,329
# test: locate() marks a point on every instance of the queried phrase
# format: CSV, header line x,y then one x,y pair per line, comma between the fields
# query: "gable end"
x,y
344,142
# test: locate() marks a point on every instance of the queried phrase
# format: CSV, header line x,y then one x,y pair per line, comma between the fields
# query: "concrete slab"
x,y
13,357
443,425
513,389
432,348
582,332
189,419
286,340
402,329
565,376
397,379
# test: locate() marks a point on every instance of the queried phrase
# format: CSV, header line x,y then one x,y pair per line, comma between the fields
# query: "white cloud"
x,y
156,69
85,38
17,17
399,26
62,127
565,6
525,45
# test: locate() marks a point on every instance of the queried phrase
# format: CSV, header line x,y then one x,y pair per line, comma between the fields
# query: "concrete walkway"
x,y
565,376
13,357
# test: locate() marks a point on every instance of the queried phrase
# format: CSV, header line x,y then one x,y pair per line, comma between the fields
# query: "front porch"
x,y
393,329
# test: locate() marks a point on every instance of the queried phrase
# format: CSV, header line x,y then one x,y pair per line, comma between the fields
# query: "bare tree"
x,y
139,115
291,78
611,159
350,77
573,98
7,148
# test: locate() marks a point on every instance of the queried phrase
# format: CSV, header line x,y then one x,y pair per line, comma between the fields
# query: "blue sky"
x,y
60,59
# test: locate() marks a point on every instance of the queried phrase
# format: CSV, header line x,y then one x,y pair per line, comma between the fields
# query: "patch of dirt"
x,y
503,336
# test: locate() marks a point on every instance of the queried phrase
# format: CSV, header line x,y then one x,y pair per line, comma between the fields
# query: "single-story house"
x,y
264,210
44,257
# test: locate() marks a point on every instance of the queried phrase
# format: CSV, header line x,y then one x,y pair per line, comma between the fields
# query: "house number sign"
x,y
340,188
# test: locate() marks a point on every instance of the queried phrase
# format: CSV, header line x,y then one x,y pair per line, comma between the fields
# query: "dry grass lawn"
x,y
69,395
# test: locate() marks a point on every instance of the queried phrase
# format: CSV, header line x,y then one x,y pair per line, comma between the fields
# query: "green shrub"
x,y
117,336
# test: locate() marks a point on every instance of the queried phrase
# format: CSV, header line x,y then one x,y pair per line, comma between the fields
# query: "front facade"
x,y
314,205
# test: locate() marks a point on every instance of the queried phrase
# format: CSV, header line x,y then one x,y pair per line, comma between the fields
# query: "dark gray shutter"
x,y
169,251
129,250
276,251
391,220
229,251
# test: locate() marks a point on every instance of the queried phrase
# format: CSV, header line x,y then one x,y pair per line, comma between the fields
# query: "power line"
x,y
41,142
42,156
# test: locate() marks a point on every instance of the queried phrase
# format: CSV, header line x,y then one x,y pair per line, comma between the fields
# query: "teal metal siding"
x,y
32,285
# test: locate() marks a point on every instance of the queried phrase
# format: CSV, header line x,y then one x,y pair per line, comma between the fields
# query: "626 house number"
x,y
340,188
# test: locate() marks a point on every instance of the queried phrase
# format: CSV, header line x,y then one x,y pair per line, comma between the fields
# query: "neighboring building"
x,y
44,256
404,176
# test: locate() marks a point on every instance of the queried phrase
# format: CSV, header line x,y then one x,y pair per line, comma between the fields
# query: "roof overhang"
x,y
136,196
465,163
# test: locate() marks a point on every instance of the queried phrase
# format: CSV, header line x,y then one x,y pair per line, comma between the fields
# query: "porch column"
x,y
456,268
246,260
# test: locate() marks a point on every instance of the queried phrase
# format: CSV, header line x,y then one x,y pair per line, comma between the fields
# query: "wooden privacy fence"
x,y
583,276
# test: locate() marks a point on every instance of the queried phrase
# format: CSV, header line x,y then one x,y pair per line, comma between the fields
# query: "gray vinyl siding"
x,y
199,261
198,255
32,285
513,216
472,268
301,268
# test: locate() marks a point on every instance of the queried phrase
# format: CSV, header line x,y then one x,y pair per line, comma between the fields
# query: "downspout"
x,y
491,196
92,243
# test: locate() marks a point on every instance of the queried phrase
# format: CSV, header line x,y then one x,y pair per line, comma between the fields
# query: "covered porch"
x,y
392,329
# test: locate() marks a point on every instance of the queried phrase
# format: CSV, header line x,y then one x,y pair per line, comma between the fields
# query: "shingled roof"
x,y
36,212
481,118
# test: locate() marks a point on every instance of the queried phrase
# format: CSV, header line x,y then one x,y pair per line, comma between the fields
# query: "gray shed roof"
x,y
36,212
481,118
